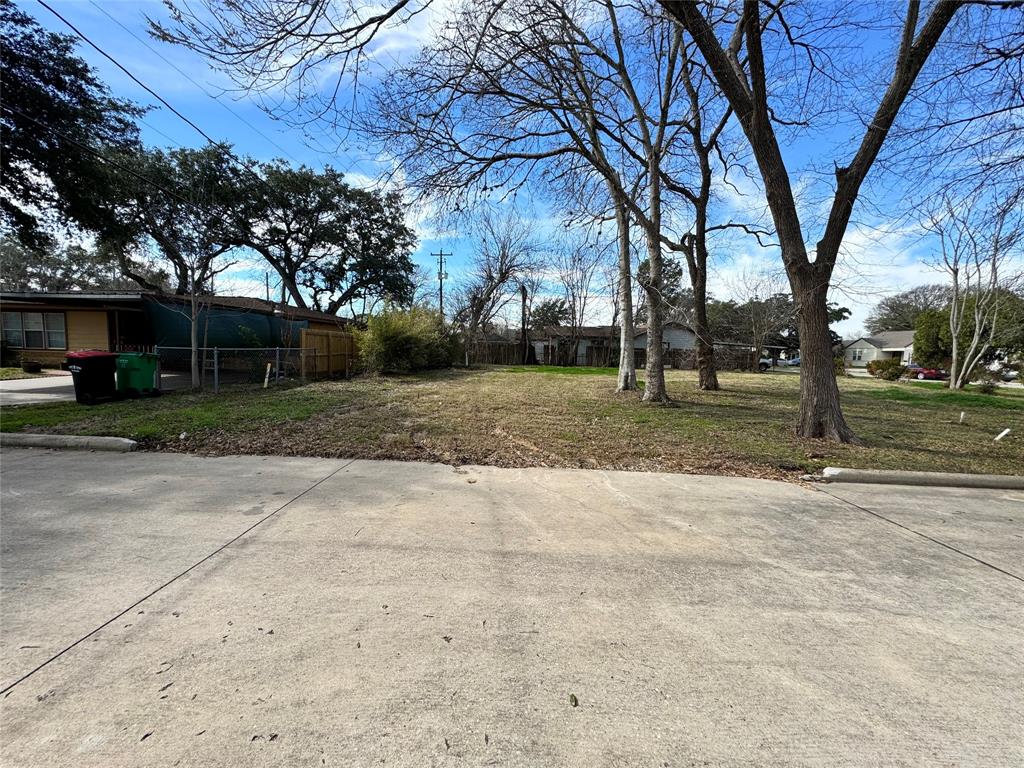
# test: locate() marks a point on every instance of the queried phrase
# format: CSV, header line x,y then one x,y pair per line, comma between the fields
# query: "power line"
x,y
99,155
188,77
167,104
163,101
227,152
124,69
120,166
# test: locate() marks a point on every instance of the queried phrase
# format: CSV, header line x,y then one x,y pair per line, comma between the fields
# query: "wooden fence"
x,y
327,354
494,353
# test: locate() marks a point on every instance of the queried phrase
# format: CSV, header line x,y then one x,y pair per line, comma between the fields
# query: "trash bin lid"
x,y
90,353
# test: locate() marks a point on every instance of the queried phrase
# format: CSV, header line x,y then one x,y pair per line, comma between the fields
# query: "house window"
x,y
858,355
35,330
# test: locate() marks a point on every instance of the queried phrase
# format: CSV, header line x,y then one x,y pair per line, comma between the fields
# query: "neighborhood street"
x,y
163,609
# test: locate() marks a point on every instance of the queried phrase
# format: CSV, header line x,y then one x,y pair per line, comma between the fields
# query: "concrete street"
x,y
175,610
44,389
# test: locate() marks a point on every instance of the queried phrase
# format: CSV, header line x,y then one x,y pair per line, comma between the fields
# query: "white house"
x,y
857,353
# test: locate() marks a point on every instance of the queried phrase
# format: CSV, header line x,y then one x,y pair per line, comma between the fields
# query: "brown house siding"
x,y
87,329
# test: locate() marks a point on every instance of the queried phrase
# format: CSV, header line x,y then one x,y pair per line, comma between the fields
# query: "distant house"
x,y
44,326
674,336
857,353
598,345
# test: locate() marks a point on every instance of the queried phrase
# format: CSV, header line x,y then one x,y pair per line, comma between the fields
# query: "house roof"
x,y
248,303
642,329
269,307
602,331
583,332
71,295
886,340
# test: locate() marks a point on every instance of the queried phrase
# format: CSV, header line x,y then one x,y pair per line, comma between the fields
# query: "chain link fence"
x,y
227,367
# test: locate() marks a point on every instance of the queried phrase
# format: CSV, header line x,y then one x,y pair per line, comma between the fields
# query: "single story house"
x,y
674,336
598,345
45,326
899,345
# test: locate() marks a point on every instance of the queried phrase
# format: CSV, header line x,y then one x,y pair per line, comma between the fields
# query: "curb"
x,y
940,479
67,442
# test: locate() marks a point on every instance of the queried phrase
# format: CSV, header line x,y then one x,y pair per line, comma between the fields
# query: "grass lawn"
x,y
566,418
6,374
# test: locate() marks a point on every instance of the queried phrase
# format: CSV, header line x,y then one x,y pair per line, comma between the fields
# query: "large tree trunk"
x,y
697,262
627,358
707,371
820,414
654,388
293,290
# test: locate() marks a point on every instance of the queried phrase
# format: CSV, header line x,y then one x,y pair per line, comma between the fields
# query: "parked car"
x,y
791,361
920,372
765,363
1010,375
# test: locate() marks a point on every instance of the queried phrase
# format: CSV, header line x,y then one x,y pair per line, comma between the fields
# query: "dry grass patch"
x,y
569,418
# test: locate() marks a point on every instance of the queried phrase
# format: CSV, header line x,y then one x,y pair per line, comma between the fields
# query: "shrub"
x,y
839,363
985,380
402,341
890,369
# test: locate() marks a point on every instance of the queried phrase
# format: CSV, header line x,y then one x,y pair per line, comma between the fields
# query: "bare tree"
x,y
506,254
977,245
552,91
739,65
424,286
577,262
295,57
764,307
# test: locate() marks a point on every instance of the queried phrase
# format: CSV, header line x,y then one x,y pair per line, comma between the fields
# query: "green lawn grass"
x,y
7,374
522,416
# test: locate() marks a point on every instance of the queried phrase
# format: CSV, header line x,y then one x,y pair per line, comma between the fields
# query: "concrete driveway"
x,y
44,389
174,610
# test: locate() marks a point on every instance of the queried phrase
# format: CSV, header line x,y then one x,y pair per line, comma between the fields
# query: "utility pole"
x,y
441,277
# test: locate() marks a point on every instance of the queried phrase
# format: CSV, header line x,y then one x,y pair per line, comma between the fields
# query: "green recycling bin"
x,y
138,373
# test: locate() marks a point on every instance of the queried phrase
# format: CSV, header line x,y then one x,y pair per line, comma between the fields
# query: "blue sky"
x,y
186,81
882,258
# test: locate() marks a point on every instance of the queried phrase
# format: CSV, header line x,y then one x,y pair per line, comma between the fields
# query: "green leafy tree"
x,y
178,204
770,321
69,268
549,312
1009,336
932,341
676,293
900,312
789,335
56,117
332,244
